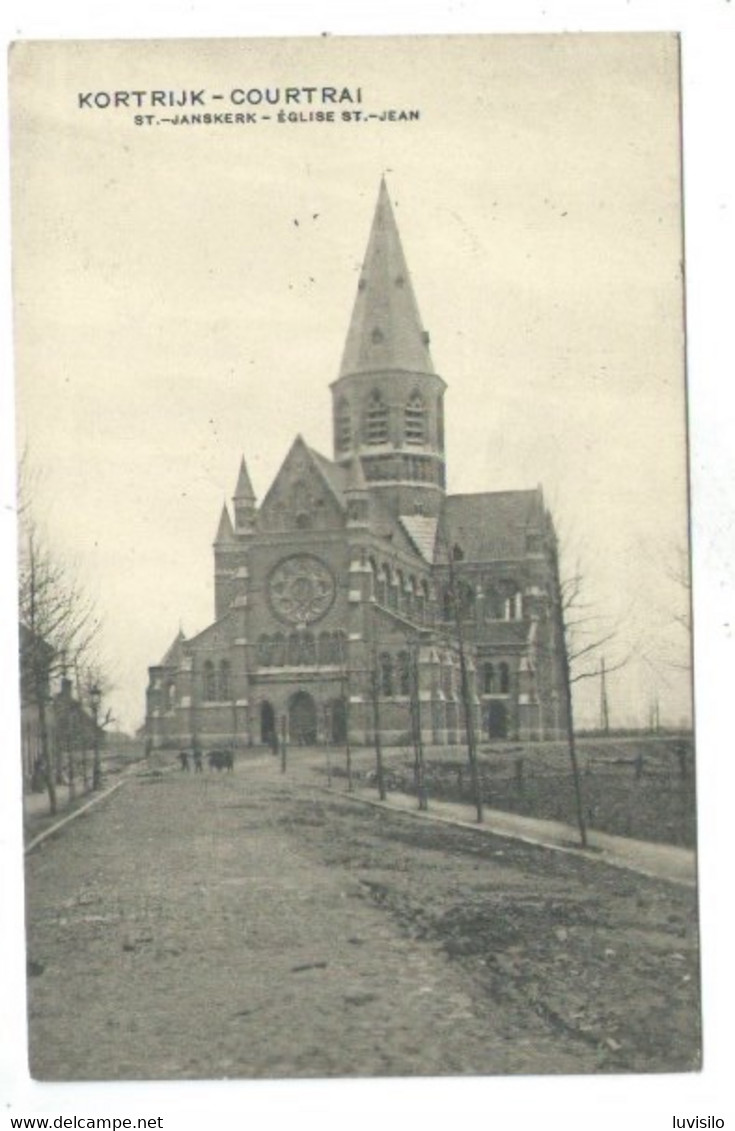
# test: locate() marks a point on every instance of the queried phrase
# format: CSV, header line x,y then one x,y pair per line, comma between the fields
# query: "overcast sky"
x,y
182,297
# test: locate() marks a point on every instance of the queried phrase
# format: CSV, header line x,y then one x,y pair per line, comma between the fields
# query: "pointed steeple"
x,y
225,532
244,501
244,488
386,331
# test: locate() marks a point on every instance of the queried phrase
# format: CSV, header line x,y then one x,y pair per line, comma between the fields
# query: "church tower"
x,y
388,401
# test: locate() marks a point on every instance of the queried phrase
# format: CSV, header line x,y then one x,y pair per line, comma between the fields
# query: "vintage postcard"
x,y
354,612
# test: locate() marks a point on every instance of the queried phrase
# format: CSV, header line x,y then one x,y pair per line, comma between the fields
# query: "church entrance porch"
x,y
302,720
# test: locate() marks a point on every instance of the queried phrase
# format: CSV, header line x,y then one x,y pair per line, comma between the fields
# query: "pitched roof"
x,y
421,529
385,331
335,476
490,526
174,653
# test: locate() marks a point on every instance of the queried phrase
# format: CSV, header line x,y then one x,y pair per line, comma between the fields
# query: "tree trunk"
x,y
46,761
566,692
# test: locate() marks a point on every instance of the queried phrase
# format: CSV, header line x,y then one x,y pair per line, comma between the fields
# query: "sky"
x,y
182,296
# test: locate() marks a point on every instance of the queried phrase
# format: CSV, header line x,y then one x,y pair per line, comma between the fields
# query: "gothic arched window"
x,y
513,606
504,679
343,425
386,673
308,649
415,420
420,603
325,648
210,685
294,650
383,582
278,652
224,679
465,598
488,679
376,420
392,592
409,597
339,647
404,673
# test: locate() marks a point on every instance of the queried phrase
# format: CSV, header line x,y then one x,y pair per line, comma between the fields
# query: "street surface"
x,y
255,925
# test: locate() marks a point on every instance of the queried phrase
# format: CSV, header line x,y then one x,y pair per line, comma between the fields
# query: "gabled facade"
x,y
343,600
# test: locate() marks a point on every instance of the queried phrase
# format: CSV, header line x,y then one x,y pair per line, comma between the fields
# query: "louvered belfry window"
x,y
344,425
376,422
415,420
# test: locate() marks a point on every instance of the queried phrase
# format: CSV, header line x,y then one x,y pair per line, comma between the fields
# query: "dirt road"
x,y
247,925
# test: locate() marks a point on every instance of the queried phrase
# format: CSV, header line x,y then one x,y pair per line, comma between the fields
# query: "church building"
x,y
358,590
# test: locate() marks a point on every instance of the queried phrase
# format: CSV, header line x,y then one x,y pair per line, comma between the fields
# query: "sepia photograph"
x,y
354,588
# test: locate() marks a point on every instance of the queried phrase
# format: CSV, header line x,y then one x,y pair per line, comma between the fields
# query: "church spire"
x,y
244,489
386,331
244,501
225,533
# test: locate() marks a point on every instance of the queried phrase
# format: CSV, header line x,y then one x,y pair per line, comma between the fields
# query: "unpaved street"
x,y
252,925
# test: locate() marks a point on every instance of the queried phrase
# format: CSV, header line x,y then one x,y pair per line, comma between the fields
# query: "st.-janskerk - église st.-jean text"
x,y
359,578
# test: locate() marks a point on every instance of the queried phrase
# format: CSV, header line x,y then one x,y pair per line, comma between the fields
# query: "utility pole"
x,y
284,725
456,609
418,742
345,692
327,742
375,694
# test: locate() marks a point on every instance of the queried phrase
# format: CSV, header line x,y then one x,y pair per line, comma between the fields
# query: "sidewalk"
x,y
659,861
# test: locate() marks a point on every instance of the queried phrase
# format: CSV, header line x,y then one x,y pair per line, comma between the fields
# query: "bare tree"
x,y
588,634
95,686
59,626
560,607
582,636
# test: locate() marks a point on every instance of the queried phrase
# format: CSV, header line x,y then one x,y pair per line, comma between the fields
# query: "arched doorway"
x,y
497,720
267,724
302,719
338,722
